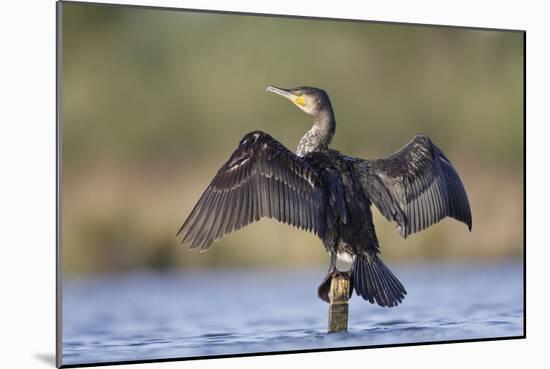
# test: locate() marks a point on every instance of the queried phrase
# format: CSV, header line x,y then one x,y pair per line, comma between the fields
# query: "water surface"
x,y
146,316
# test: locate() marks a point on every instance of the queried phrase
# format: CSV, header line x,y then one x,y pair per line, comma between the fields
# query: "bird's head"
x,y
311,100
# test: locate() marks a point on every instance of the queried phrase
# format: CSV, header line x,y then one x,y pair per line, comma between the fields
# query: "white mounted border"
x,y
27,117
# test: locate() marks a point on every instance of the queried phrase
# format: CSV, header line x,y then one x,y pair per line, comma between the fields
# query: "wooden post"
x,y
338,308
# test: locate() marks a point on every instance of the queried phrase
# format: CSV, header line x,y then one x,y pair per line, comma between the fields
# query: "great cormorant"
x,y
323,191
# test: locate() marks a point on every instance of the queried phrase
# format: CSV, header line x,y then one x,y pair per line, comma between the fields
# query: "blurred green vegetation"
x,y
154,101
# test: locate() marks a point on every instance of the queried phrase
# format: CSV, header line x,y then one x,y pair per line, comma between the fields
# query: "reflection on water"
x,y
198,313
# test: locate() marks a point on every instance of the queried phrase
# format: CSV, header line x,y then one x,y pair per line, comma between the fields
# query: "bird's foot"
x,y
324,288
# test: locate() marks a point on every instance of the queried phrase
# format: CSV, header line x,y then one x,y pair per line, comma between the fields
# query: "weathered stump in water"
x,y
338,308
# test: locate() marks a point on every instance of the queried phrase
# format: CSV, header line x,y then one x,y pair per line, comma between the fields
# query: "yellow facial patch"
x,y
300,100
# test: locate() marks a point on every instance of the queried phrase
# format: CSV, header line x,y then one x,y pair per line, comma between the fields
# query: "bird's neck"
x,y
320,135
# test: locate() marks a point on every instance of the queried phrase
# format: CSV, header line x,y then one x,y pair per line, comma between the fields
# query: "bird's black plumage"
x,y
261,179
325,192
415,187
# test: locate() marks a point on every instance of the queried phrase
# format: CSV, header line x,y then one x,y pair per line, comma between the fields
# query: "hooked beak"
x,y
282,92
298,100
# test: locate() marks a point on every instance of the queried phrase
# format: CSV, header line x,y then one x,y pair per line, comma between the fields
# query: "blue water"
x,y
152,316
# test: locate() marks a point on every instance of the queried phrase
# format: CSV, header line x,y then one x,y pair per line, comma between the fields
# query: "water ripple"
x,y
109,320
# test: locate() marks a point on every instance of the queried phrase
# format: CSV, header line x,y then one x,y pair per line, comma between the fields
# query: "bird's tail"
x,y
373,281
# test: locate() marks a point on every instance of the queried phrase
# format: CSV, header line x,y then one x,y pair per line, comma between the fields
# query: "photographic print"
x,y
240,184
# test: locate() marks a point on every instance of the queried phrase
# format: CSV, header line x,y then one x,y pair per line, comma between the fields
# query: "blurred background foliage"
x,y
154,101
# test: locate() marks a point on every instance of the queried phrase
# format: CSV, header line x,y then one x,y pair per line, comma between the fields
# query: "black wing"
x,y
261,179
415,187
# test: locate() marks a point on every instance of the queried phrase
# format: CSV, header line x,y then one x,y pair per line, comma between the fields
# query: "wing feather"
x,y
416,187
261,179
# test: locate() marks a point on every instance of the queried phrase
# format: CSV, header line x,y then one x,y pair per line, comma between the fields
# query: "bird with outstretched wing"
x,y
320,190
